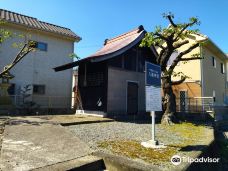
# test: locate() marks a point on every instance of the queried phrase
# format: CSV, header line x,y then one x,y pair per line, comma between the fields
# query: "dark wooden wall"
x,y
95,87
96,76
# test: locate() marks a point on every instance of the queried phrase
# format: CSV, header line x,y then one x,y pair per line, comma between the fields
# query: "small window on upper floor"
x,y
213,62
41,46
222,68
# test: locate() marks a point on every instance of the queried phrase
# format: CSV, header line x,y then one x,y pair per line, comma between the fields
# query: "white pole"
x,y
153,125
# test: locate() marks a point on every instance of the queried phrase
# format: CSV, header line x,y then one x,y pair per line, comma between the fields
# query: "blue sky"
x,y
96,20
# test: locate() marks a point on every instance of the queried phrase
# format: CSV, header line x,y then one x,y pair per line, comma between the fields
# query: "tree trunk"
x,y
169,102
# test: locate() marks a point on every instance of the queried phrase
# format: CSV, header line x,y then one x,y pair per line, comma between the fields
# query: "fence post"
x,y
49,104
15,100
196,106
189,107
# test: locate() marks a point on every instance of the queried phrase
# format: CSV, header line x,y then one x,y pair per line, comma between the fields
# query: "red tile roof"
x,y
112,47
31,22
117,43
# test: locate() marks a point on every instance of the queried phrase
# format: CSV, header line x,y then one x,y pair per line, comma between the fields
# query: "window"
x,y
222,68
213,62
39,89
41,46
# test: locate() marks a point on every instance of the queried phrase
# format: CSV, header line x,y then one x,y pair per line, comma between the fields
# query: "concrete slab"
x,y
64,120
86,163
33,145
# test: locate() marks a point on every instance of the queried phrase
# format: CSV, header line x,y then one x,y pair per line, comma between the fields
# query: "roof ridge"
x,y
18,13
17,18
53,25
139,28
33,18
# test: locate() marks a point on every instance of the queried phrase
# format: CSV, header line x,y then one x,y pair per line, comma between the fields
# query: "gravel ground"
x,y
2,125
177,138
98,132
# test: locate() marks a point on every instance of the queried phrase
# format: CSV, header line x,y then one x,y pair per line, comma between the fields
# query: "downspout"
x,y
201,72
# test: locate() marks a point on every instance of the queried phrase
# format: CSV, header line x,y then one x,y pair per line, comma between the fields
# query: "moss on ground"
x,y
134,150
189,133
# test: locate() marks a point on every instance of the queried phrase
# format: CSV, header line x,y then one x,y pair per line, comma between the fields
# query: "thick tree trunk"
x,y
169,102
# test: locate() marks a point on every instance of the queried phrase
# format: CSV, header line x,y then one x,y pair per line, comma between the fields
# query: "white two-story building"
x,y
54,45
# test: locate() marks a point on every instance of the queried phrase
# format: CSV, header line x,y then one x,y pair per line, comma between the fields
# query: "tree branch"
x,y
161,36
160,46
184,28
179,81
189,59
178,58
23,52
171,21
180,44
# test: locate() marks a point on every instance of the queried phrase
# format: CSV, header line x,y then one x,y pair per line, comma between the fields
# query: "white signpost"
x,y
153,99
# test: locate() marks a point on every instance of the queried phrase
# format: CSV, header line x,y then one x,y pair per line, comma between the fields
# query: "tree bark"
x,y
169,102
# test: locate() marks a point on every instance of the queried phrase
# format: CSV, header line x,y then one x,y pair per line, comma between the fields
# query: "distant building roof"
x,y
112,47
31,22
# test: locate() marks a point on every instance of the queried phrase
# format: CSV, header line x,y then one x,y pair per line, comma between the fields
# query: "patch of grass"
x,y
190,135
135,150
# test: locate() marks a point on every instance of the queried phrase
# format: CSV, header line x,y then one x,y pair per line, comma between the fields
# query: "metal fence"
x,y
195,104
42,101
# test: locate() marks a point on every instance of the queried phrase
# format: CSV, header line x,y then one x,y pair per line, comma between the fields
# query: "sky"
x,y
96,20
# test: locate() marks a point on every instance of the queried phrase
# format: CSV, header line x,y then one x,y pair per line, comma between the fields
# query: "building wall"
x,y
193,89
117,90
213,79
191,68
37,67
201,72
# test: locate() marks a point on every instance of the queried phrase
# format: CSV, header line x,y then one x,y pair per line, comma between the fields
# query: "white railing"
x,y
195,104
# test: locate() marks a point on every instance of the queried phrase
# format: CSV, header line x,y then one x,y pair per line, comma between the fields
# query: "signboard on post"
x,y
153,99
153,87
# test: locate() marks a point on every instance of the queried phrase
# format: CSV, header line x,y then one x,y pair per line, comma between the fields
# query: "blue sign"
x,y
153,74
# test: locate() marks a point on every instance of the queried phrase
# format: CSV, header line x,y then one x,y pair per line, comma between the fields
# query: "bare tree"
x,y
168,40
26,48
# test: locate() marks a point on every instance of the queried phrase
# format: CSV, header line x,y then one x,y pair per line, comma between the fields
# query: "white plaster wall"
x,y
37,67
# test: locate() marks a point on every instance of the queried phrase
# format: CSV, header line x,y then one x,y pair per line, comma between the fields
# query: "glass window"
x,y
39,89
41,46
213,62
222,68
